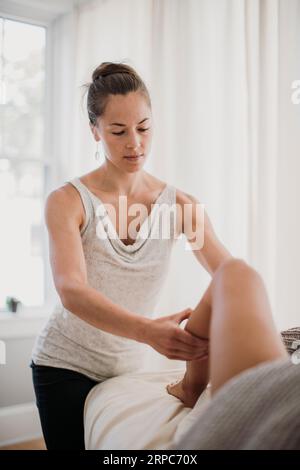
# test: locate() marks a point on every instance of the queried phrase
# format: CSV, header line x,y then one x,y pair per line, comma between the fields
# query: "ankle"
x,y
193,387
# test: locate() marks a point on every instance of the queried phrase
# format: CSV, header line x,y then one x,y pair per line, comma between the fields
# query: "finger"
x,y
179,317
192,353
187,338
180,355
199,348
199,355
204,356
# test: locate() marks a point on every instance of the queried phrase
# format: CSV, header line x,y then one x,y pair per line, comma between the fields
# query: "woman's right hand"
x,y
165,336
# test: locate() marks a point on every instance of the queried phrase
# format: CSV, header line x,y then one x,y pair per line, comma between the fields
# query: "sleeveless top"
x,y
131,276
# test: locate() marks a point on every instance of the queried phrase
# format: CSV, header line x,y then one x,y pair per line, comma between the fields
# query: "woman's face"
x,y
125,129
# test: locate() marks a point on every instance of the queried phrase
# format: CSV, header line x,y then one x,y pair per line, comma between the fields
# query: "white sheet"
x,y
135,411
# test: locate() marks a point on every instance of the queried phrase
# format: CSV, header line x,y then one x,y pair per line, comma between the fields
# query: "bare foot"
x,y
176,390
187,396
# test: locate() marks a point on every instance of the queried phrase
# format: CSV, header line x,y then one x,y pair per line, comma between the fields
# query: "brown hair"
x,y
111,78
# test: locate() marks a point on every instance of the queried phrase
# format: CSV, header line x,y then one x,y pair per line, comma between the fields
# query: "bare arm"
x,y
63,214
213,253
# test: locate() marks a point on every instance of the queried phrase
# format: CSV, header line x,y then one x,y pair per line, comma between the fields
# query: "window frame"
x,y
38,17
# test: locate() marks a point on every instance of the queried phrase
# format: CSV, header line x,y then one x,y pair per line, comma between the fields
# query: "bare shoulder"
x,y
155,183
64,202
185,198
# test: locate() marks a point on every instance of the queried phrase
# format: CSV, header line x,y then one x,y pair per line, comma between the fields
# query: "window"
x,y
23,166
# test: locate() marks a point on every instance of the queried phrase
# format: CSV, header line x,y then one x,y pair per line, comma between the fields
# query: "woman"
x,y
108,278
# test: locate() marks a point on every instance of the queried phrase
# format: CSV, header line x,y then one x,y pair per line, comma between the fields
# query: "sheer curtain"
x,y
225,128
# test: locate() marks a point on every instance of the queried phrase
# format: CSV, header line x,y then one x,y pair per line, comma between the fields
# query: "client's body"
x,y
235,315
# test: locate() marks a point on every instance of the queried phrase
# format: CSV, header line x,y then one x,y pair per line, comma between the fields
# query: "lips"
x,y
132,156
134,159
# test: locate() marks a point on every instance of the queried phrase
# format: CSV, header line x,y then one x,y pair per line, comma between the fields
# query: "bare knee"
x,y
236,270
232,265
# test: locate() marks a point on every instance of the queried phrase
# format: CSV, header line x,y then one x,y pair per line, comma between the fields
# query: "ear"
x,y
95,132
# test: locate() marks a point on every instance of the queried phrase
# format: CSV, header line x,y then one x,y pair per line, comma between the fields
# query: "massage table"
x,y
257,409
135,411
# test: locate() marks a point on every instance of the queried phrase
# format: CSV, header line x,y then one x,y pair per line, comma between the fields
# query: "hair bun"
x,y
124,80
109,68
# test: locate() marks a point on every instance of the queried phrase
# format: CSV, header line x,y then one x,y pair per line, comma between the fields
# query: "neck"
x,y
114,179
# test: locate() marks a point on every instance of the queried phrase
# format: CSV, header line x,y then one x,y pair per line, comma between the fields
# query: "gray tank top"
x,y
132,276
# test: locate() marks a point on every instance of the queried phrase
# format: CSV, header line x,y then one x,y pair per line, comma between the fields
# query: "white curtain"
x,y
226,131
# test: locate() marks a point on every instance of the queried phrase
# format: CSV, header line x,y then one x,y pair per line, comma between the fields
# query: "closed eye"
x,y
120,133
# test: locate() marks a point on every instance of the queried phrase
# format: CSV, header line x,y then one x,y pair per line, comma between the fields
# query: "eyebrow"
x,y
124,125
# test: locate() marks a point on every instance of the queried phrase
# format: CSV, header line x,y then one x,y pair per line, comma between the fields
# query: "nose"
x,y
134,141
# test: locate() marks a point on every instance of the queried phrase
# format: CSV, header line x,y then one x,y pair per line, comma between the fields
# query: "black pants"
x,y
60,396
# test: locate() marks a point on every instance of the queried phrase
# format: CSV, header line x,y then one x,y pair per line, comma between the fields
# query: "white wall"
x,y
15,376
19,418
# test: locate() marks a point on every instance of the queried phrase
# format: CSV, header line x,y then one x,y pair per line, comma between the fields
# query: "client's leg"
x,y
196,377
235,314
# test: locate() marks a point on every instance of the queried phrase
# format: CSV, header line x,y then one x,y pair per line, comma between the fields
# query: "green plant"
x,y
12,303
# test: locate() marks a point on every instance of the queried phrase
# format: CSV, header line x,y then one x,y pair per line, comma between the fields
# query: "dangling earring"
x,y
97,153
